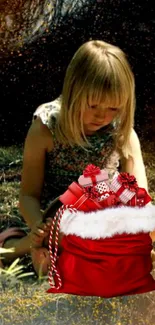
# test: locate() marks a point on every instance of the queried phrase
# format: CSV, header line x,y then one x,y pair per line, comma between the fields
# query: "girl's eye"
x,y
114,109
92,106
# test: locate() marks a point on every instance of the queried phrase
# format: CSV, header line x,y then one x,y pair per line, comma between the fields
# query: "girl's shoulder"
x,y
48,112
43,125
39,136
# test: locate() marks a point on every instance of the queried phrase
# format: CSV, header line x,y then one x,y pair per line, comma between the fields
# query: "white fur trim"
x,y
108,222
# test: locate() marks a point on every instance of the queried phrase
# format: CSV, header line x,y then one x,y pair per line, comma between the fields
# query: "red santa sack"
x,y
104,253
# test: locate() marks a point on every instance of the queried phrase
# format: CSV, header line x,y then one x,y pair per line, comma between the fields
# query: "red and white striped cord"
x,y
53,257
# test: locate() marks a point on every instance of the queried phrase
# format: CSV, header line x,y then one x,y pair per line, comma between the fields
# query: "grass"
x,y
23,296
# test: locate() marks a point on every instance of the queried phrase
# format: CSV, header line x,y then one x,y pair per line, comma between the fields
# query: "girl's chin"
x,y
93,127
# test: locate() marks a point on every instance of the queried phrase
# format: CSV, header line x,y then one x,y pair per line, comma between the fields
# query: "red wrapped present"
x,y
92,192
83,199
126,188
99,194
93,175
140,199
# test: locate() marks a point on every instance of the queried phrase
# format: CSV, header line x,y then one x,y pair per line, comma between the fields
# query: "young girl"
x,y
91,123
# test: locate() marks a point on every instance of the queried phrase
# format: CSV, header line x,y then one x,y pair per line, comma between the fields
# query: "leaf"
x,y
6,250
13,264
16,270
25,274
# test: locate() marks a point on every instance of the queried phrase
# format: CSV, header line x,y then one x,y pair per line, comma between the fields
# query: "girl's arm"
x,y
38,142
134,165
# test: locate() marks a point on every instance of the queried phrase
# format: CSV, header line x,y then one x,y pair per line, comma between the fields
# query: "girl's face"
x,y
97,116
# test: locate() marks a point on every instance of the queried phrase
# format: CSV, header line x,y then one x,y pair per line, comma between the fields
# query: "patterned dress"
x,y
64,164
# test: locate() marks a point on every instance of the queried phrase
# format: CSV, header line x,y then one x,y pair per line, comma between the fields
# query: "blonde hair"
x,y
98,72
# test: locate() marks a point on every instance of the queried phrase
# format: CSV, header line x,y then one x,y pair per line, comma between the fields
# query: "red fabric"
x,y
109,267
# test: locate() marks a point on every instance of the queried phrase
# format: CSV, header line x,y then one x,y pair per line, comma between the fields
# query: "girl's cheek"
x,y
113,114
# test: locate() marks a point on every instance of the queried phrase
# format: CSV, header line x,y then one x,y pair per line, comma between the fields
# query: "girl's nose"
x,y
101,114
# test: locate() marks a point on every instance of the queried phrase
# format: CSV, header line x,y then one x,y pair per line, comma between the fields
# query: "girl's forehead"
x,y
107,99
107,102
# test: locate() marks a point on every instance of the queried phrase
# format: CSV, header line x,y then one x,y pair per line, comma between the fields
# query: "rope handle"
x,y
53,257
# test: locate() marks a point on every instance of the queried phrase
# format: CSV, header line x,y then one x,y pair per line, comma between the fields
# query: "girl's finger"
x,y
42,226
40,231
48,225
35,240
49,222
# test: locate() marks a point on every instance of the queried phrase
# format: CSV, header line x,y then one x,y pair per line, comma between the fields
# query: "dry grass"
x,y
24,300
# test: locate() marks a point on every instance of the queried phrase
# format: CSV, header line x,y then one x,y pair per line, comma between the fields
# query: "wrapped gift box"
x,y
88,194
140,199
80,198
94,192
93,175
126,188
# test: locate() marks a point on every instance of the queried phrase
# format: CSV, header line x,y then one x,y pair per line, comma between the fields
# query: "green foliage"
x,y
10,155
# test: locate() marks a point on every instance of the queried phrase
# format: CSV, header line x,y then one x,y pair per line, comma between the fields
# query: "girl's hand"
x,y
39,232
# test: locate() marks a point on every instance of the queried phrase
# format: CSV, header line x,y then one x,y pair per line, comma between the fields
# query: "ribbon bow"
x,y
91,170
128,181
91,192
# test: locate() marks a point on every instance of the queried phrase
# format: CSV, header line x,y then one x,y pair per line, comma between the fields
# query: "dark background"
x,y
33,73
